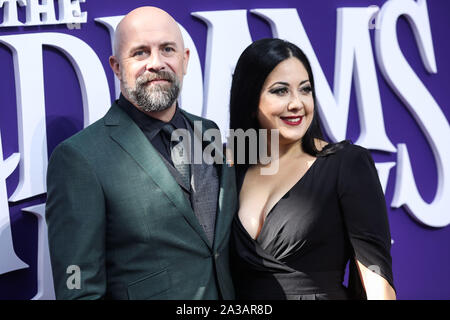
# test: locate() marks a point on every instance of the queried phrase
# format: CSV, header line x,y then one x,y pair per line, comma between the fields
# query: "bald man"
x,y
126,221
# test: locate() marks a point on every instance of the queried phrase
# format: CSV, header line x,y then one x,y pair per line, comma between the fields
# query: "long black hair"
x,y
254,65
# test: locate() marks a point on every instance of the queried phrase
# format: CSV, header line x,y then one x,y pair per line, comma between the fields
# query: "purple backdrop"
x,y
421,258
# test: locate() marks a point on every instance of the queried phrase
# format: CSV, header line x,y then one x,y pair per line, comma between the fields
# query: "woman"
x,y
296,230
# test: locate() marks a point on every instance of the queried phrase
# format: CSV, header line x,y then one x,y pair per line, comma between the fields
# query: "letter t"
x,y
10,18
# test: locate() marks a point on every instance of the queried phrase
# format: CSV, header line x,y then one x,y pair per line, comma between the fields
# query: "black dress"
x,y
334,213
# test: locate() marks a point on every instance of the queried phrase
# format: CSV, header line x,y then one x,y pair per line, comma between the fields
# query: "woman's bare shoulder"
x,y
320,144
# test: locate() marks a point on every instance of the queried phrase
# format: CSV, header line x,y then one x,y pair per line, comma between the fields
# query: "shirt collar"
x,y
147,123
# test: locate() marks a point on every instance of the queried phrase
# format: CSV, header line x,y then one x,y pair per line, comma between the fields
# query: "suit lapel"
x,y
226,205
176,175
128,135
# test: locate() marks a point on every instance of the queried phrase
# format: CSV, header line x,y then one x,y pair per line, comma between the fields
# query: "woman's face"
x,y
286,102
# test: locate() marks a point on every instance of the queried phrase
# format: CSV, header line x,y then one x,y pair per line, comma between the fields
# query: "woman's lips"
x,y
292,121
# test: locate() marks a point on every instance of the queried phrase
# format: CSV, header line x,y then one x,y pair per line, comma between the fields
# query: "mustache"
x,y
151,76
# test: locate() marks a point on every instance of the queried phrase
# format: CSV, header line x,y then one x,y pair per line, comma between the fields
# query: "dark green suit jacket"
x,y
115,211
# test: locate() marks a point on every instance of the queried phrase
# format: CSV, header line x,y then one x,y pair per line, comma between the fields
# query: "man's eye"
x,y
168,49
139,53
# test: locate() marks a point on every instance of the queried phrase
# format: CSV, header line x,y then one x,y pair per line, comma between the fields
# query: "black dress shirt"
x,y
151,127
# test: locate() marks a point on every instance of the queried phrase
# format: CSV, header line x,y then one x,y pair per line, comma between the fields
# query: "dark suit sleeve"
x,y
365,214
75,214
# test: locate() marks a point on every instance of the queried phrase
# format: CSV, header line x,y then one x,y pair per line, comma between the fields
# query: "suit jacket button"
x,y
216,255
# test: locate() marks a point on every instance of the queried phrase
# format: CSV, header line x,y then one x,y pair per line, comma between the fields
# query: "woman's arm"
x,y
376,287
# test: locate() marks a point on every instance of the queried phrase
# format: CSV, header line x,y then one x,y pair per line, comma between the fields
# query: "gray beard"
x,y
156,97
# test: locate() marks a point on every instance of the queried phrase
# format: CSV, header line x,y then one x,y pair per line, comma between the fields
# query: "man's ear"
x,y
115,66
185,60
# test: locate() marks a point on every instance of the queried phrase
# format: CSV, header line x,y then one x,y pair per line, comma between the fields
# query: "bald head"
x,y
150,60
145,18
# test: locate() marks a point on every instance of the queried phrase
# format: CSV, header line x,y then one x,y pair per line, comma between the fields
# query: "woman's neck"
x,y
286,151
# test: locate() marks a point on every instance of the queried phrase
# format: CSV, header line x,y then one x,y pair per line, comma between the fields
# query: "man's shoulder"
x,y
88,135
91,137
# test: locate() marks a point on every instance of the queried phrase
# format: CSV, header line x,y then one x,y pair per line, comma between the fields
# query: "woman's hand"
x,y
377,288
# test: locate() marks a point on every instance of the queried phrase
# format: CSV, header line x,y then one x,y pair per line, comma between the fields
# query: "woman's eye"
x,y
279,91
306,89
